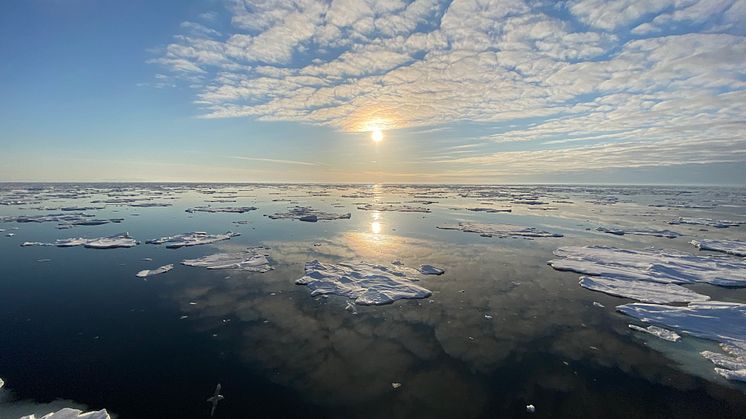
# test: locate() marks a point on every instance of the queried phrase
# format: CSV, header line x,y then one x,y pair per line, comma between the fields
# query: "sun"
x,y
376,135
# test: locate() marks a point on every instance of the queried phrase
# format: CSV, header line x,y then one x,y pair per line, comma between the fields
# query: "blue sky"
x,y
464,91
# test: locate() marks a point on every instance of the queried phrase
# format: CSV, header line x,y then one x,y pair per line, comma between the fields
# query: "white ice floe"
x,y
236,210
309,214
619,231
718,321
665,266
645,291
150,272
659,332
110,242
706,222
392,207
490,210
69,413
731,365
191,239
498,230
430,270
366,283
732,247
252,259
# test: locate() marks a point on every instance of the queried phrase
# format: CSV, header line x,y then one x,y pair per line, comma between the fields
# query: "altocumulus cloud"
x,y
642,82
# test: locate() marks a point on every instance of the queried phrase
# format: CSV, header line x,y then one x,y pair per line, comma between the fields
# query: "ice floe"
x,y
645,291
236,210
706,222
252,260
659,332
366,283
194,238
150,272
430,270
70,413
731,365
619,231
392,207
309,214
498,230
110,242
732,247
665,266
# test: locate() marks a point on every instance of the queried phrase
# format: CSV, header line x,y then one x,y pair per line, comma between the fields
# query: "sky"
x,y
463,91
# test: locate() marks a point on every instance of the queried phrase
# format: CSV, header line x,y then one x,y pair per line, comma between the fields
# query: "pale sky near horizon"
x,y
484,91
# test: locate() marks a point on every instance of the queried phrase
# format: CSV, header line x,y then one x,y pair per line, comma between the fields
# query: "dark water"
x,y
82,327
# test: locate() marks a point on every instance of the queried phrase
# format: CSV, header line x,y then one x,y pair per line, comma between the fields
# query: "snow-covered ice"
x,y
666,266
732,247
110,242
620,231
235,210
706,222
645,291
191,239
498,230
70,413
392,207
252,259
309,214
731,365
150,272
366,283
659,332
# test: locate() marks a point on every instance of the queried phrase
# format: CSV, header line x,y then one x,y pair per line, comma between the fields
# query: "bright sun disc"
x,y
376,135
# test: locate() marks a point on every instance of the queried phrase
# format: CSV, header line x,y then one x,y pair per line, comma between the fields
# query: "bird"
x,y
215,399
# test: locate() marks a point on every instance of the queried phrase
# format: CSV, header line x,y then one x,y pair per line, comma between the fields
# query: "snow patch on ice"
x,y
732,247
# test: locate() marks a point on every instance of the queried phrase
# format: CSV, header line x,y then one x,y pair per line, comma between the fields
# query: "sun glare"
x,y
376,135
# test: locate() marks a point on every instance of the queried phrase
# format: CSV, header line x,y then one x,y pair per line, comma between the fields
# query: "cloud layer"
x,y
630,79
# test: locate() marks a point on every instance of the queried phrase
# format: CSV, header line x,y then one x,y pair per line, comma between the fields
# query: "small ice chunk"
x,y
660,332
732,247
395,385
150,272
309,214
498,230
234,210
731,365
530,408
252,260
191,239
597,304
366,283
430,270
645,291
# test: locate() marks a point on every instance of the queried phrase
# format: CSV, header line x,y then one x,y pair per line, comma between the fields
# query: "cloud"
x,y
610,74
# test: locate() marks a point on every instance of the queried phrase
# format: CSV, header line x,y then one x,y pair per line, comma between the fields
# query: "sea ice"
x,y
645,291
237,210
706,222
252,259
309,214
732,247
498,230
194,238
430,270
619,231
111,242
69,413
660,332
665,266
150,272
392,207
366,283
731,365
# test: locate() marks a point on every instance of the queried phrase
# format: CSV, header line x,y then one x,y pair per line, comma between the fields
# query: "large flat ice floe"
x,y
717,321
110,242
731,247
234,210
393,207
252,259
664,266
366,283
309,214
706,222
498,230
157,271
646,291
619,231
194,238
69,413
